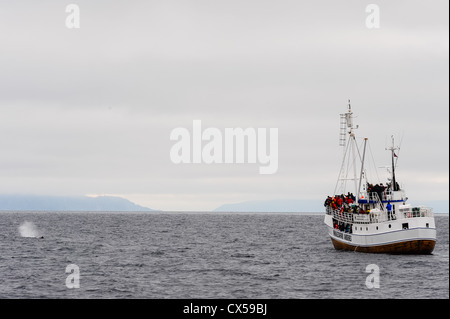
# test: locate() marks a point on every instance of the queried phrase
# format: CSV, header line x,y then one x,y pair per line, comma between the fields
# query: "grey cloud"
x,y
91,110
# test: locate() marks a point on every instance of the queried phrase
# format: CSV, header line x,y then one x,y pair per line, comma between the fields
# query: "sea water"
x,y
202,255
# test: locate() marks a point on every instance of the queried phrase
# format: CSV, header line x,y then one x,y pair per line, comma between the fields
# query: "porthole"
x,y
389,225
377,227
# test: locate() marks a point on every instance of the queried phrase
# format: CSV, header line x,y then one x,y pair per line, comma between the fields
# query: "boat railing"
x,y
379,216
388,195
345,217
412,212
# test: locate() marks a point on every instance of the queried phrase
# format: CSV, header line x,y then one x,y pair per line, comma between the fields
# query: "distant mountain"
x,y
275,206
62,203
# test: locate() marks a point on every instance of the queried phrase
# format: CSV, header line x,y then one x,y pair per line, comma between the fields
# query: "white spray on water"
x,y
28,229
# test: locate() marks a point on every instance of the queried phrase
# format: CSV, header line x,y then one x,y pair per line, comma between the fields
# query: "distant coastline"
x,y
274,206
119,204
67,203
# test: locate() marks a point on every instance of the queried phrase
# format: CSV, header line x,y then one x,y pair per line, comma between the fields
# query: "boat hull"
x,y
403,236
417,247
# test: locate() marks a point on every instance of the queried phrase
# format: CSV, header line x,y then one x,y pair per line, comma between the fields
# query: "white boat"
x,y
376,218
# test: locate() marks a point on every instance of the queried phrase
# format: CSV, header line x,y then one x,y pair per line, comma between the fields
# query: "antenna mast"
x,y
393,149
350,149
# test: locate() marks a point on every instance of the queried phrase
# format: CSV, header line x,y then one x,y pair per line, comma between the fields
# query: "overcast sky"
x,y
90,110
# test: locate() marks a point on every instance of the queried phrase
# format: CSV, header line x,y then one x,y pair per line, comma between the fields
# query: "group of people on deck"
x,y
347,203
339,201
378,188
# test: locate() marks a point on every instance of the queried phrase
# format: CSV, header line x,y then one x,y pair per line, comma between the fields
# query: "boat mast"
x,y
354,148
392,149
362,168
350,150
